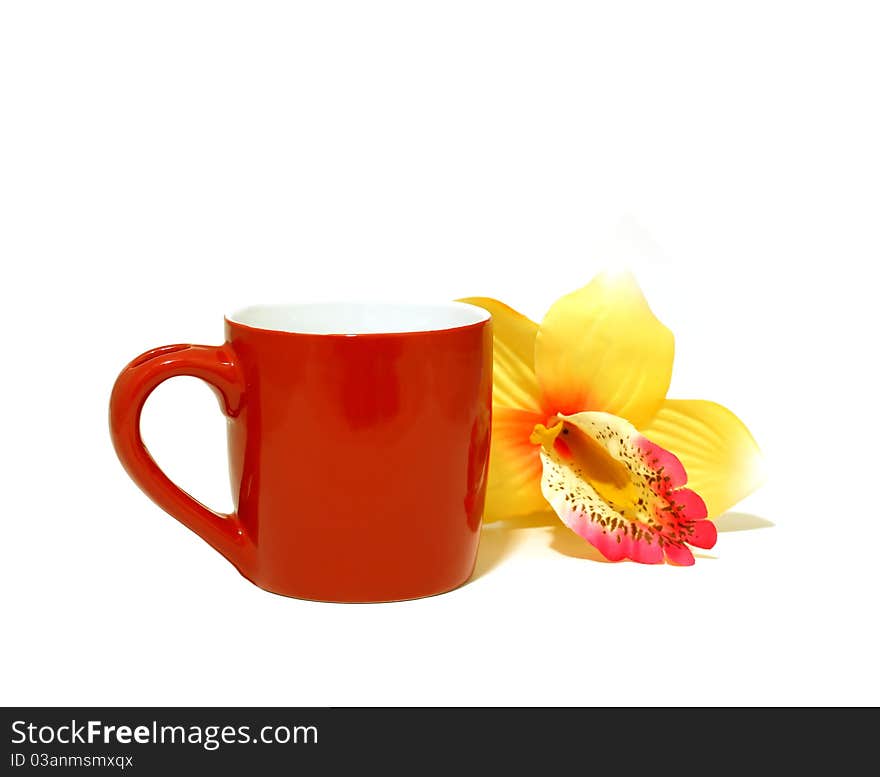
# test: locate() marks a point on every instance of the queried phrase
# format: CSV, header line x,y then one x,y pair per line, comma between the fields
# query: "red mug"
x,y
358,445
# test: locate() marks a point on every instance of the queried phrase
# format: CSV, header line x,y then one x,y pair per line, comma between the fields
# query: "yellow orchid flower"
x,y
581,421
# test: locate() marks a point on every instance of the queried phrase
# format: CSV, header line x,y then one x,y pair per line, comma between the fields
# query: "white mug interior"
x,y
359,318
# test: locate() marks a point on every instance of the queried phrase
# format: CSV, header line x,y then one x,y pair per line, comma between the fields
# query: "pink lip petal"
x,y
679,555
690,504
614,544
705,535
666,463
653,527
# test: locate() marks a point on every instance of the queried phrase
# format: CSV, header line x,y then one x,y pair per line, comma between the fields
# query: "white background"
x,y
161,163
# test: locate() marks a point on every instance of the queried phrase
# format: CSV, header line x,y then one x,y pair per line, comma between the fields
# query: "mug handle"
x,y
216,365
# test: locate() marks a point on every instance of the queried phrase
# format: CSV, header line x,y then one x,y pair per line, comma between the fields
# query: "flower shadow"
x,y
542,532
741,522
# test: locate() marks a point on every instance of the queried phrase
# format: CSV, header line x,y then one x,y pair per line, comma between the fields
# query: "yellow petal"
x,y
514,485
721,457
601,348
513,383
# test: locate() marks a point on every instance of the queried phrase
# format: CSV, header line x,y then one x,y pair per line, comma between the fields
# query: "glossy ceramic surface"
x,y
357,462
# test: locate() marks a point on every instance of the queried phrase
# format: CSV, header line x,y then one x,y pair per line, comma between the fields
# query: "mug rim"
x,y
358,318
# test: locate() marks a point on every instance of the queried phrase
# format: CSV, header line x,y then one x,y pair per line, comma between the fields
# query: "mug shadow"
x,y
504,540
501,540
496,546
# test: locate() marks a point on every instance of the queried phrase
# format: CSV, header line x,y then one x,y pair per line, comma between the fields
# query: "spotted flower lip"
x,y
592,380
619,491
